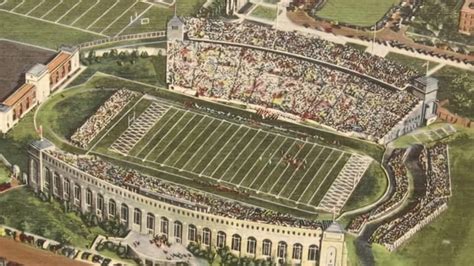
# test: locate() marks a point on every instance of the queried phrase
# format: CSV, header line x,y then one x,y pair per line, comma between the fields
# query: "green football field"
x,y
102,17
209,148
358,13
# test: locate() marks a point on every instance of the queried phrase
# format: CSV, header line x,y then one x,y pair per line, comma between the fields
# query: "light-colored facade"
x,y
466,18
147,215
40,81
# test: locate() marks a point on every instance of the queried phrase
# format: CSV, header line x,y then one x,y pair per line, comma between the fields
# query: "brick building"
x,y
466,18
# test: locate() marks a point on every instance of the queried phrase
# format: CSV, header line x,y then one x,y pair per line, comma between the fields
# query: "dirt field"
x,y
26,255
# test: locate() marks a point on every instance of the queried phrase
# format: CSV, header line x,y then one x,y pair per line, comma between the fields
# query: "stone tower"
x,y
175,29
333,249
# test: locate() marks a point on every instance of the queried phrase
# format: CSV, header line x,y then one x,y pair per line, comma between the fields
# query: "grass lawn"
x,y
371,187
268,13
418,64
23,210
4,173
358,13
40,33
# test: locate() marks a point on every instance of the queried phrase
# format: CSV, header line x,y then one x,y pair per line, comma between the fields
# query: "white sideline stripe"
x,y
248,157
139,16
240,153
119,16
215,155
276,166
269,159
105,13
315,175
65,14
17,6
35,7
171,129
174,138
4,2
295,171
195,140
306,172
187,136
284,170
251,168
158,131
85,12
49,11
212,147
330,170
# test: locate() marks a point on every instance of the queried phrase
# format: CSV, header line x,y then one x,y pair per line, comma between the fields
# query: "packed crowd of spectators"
x,y
399,172
298,43
331,97
106,112
427,206
219,206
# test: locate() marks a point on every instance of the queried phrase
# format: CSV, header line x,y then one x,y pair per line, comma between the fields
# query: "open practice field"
x,y
100,17
222,151
358,13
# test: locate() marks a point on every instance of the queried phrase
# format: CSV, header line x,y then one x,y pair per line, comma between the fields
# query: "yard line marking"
x,y
139,16
187,136
238,155
251,168
65,14
276,165
215,155
4,2
284,170
315,175
205,144
156,133
213,145
194,142
295,171
306,172
119,16
248,157
171,129
330,170
85,12
17,6
49,11
34,8
269,159
105,13
177,134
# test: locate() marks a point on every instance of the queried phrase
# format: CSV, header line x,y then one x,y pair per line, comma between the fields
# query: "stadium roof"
x,y
17,59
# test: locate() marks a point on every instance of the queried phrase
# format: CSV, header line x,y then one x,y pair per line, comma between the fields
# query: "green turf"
x,y
124,20
26,6
415,63
358,13
92,15
77,12
40,33
60,10
268,13
23,210
111,14
4,173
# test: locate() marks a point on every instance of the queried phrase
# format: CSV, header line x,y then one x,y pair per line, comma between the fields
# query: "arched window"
x,y
221,236
150,221
281,251
251,245
67,188
137,216
267,248
77,195
164,226
178,230
100,202
206,236
313,253
124,213
88,197
297,251
192,233
112,208
236,241
57,183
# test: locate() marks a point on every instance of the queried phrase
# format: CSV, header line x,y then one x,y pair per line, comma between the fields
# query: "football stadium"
x,y
261,137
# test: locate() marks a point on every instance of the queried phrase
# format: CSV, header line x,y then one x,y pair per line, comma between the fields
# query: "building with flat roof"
x,y
28,75
466,18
